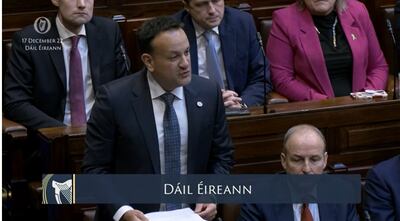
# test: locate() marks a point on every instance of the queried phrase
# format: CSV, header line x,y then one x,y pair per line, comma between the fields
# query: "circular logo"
x,y
57,189
42,25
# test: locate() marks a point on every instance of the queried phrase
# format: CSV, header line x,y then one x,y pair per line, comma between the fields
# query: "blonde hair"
x,y
339,4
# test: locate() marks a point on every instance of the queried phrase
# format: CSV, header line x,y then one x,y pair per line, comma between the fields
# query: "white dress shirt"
x,y
201,51
159,108
313,207
65,35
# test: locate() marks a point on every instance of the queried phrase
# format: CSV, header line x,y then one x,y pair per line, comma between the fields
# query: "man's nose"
x,y
81,3
307,167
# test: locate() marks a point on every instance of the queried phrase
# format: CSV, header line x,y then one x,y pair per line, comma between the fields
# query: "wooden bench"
x,y
359,134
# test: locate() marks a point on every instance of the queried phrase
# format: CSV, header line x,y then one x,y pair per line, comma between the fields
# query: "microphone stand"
x,y
396,94
367,216
264,72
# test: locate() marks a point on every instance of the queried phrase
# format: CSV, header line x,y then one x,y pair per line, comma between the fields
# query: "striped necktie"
x,y
212,59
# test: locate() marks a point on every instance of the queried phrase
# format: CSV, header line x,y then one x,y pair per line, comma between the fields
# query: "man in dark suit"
x,y
37,84
304,152
130,127
382,188
240,58
397,20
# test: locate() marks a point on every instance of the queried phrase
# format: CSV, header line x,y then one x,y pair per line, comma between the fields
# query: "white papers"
x,y
369,94
185,214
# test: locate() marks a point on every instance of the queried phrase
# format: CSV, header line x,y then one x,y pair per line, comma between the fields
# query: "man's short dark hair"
x,y
150,29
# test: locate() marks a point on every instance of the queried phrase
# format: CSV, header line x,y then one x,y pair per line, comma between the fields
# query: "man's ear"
x,y
283,160
325,159
185,5
147,59
56,2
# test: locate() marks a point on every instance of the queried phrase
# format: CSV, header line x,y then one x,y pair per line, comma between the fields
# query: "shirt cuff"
x,y
120,212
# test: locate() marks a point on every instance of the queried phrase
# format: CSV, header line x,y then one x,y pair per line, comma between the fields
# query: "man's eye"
x,y
315,159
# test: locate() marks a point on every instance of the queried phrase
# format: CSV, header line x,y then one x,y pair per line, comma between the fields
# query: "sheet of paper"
x,y
185,214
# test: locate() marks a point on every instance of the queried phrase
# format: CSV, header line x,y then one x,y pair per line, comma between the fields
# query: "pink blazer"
x,y
298,69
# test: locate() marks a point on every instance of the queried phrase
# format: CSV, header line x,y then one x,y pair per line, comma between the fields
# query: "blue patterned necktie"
x,y
172,142
213,66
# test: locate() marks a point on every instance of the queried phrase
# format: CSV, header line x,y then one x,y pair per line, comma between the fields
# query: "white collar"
x,y
200,30
156,90
65,33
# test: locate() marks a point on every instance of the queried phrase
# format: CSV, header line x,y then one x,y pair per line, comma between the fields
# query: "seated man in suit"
x,y
382,188
397,25
224,47
397,31
161,120
304,152
56,66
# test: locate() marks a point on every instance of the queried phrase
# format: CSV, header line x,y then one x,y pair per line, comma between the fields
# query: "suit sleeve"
x,y
100,142
283,74
100,136
253,94
377,68
222,146
19,88
378,199
250,212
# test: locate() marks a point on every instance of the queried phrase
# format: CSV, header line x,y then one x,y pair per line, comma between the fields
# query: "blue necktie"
x,y
213,66
172,142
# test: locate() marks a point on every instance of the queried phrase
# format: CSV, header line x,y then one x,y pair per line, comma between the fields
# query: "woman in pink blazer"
x,y
320,49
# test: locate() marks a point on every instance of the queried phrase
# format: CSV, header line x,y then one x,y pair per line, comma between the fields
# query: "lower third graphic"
x,y
58,189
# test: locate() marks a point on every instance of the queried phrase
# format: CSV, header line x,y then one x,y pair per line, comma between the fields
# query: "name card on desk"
x,y
185,214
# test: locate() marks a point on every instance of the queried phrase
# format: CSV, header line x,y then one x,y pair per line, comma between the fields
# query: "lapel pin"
x,y
199,104
353,36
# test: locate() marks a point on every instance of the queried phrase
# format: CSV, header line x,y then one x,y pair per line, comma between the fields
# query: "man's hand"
x,y
231,99
133,215
207,211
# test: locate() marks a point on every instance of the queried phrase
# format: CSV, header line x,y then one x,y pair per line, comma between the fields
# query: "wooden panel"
x,y
356,135
129,29
353,131
372,136
26,5
12,6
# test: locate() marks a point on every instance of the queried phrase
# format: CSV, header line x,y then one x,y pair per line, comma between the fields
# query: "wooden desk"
x,y
14,186
65,148
359,133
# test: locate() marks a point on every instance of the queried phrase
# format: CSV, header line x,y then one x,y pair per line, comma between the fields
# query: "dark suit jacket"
x,y
397,25
382,188
122,137
243,59
35,85
284,212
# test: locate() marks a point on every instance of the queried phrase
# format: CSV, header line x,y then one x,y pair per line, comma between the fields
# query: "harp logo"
x,y
42,25
58,189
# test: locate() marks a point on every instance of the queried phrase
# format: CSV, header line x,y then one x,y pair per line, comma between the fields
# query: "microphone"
x,y
125,57
264,72
396,71
390,29
367,216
